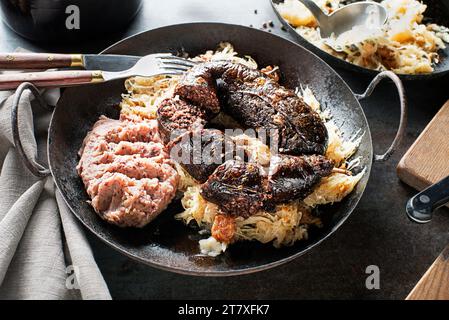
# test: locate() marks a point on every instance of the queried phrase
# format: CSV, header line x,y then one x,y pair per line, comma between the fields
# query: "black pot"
x,y
67,20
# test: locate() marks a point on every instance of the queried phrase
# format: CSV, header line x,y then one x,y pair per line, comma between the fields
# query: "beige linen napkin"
x,y
44,253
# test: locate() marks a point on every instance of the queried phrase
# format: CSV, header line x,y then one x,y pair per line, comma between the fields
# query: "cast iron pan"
x,y
437,12
169,244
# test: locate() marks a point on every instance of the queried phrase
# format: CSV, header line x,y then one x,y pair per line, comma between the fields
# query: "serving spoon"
x,y
365,13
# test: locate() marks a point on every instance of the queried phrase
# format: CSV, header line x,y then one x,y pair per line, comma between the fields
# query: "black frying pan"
x,y
166,243
437,12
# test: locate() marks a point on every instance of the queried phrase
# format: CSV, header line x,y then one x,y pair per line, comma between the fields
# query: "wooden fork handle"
x,y
26,60
50,79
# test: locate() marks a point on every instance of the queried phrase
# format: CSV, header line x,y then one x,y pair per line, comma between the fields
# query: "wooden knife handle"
x,y
25,60
50,79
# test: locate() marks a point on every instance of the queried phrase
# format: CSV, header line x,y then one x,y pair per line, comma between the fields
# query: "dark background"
x,y
377,233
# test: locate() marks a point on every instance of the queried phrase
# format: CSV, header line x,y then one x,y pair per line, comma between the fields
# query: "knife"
x,y
420,207
107,62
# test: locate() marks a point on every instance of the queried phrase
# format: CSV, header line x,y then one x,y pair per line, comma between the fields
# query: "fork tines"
x,y
171,62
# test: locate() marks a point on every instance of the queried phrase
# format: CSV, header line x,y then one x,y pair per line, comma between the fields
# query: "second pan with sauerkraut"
x,y
255,189
409,42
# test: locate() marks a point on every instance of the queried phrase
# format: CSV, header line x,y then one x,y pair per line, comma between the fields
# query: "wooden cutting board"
x,y
427,162
434,285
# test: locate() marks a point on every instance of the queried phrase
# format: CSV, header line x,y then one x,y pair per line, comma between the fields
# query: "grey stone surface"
x,y
377,233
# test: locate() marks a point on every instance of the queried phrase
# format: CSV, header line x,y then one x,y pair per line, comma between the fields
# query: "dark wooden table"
x,y
377,233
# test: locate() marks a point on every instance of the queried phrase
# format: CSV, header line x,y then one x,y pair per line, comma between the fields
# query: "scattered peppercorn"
x,y
264,25
283,28
255,11
270,23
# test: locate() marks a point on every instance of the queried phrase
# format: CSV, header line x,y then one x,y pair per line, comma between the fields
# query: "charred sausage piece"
x,y
176,116
200,152
260,102
241,189
237,71
294,177
199,84
236,187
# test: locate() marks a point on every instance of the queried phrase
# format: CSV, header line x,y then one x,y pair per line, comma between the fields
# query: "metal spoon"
x,y
347,17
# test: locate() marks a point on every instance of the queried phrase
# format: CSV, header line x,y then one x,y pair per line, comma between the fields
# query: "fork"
x,y
147,66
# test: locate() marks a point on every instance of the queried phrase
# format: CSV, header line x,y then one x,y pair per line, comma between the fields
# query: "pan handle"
x,y
35,168
403,104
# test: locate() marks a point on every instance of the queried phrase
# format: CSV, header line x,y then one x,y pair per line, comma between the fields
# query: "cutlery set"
x,y
94,68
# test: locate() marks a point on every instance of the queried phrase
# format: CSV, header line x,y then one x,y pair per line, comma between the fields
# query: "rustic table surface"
x,y
378,232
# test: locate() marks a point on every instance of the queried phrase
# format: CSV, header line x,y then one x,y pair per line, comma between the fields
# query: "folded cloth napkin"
x,y
44,253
